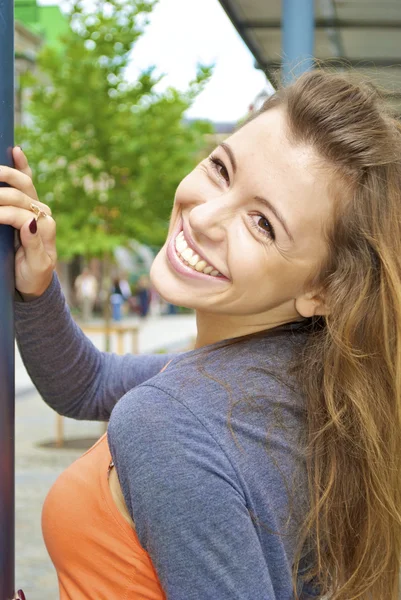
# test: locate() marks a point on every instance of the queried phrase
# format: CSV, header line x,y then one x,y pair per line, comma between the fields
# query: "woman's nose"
x,y
210,219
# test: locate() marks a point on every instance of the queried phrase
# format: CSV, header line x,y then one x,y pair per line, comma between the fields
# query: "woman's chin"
x,y
166,284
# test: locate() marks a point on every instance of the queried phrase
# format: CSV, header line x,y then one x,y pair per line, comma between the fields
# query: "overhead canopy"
x,y
363,37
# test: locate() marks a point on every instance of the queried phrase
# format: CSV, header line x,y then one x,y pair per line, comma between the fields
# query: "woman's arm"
x,y
72,375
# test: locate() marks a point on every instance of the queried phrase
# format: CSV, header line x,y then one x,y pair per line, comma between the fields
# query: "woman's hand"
x,y
19,595
35,258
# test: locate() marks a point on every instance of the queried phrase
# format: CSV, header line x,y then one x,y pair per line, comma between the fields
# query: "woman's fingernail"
x,y
21,595
20,147
33,226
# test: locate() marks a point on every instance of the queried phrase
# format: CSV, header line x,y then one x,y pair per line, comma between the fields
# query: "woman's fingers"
x,y
10,196
20,219
46,234
34,263
16,217
21,191
21,161
35,236
18,180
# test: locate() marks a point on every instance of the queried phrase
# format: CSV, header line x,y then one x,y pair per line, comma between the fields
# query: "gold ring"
x,y
38,212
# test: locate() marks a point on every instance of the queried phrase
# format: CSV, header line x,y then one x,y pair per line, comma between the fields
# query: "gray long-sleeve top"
x,y
208,453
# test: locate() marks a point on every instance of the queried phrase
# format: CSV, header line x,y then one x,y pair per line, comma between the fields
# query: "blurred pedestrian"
x,y
86,290
144,295
125,288
172,309
122,287
120,293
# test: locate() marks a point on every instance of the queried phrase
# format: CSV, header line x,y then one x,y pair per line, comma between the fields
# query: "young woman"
x,y
265,464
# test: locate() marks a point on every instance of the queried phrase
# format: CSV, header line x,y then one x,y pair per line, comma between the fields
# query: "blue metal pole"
x,y
298,38
7,386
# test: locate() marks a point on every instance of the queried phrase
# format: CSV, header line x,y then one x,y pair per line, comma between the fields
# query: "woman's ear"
x,y
310,305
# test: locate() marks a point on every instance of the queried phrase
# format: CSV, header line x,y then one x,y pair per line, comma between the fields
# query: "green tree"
x,y
108,154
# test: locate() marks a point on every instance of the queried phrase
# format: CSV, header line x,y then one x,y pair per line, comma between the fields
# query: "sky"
x,y
182,33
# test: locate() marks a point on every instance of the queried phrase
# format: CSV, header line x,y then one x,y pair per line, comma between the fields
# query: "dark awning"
x,y
361,37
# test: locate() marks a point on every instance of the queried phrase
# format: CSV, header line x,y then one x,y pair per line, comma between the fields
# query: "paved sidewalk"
x,y
38,464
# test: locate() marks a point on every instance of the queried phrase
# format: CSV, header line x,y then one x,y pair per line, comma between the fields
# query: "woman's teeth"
x,y
191,259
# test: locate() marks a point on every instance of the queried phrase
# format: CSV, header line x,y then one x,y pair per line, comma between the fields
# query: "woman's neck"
x,y
214,327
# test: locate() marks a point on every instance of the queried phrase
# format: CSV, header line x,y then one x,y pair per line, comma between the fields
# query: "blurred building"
x,y
263,95
48,22
221,131
27,46
34,26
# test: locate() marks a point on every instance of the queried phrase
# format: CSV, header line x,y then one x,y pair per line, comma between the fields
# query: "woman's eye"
x,y
263,226
220,168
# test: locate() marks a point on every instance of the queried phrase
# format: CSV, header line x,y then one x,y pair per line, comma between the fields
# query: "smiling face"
x,y
254,214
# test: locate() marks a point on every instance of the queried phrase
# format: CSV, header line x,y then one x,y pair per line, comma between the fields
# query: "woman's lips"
x,y
183,269
193,246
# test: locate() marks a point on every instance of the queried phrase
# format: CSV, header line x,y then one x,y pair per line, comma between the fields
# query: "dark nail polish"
x,y
33,226
21,595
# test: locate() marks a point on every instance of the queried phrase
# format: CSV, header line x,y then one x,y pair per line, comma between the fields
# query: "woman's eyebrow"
x,y
269,205
231,156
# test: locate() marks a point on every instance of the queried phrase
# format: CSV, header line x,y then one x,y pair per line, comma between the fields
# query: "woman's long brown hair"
x,y
350,369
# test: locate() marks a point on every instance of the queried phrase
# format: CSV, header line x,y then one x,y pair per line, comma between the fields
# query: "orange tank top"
x,y
96,553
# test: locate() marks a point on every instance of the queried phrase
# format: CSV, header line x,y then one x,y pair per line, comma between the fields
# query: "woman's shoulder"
x,y
210,381
275,352
215,376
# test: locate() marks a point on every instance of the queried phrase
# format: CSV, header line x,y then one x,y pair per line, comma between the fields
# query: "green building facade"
x,y
46,21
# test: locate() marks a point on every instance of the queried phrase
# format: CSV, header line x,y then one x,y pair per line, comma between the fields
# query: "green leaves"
x,y
108,154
